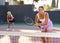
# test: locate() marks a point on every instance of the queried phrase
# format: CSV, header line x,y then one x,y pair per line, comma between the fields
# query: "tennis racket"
x,y
29,21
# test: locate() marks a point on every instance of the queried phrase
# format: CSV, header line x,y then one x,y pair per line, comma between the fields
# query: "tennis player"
x,y
46,24
10,19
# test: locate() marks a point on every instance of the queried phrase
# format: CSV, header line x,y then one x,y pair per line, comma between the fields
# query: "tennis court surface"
x,y
13,36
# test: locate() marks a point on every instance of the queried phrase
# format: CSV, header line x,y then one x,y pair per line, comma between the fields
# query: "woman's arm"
x,y
36,20
12,17
7,18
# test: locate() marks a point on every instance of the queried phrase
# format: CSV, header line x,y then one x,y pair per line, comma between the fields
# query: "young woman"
x,y
10,19
46,24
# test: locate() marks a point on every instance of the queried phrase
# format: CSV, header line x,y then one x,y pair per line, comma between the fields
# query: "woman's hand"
x,y
36,24
39,25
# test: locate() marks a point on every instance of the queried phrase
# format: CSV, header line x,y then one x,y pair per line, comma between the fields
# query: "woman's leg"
x,y
12,24
8,24
48,38
43,38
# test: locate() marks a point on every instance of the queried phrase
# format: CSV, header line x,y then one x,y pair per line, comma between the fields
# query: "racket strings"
x,y
29,21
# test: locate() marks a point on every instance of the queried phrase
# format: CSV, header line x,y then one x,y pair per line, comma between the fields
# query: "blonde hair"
x,y
9,12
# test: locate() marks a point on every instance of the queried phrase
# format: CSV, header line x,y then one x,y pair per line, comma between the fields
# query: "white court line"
x,y
56,28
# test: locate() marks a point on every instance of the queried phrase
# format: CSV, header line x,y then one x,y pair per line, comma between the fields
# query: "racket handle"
x,y
39,26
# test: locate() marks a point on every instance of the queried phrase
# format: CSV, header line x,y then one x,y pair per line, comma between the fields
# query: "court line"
x,y
56,28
